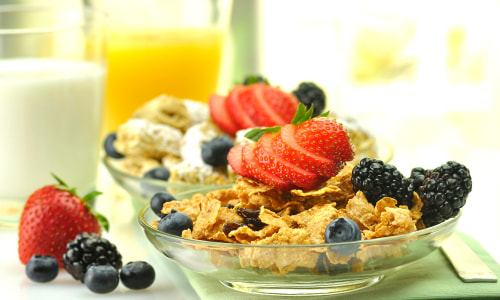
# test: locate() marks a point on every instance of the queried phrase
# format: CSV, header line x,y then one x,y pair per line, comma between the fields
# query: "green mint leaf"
x,y
303,114
325,114
256,133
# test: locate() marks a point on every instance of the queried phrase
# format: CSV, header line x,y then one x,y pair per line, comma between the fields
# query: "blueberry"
x,y
214,152
109,146
42,268
158,173
343,230
101,279
175,222
157,202
137,275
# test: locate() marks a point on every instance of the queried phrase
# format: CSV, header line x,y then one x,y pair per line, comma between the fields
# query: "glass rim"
x,y
93,17
416,234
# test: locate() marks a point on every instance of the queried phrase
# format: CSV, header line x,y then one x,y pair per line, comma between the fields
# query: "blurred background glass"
x,y
52,77
172,47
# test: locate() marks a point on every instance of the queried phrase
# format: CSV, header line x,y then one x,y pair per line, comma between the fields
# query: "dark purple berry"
x,y
101,279
444,191
137,275
378,180
214,152
175,223
158,200
89,249
109,146
42,268
343,230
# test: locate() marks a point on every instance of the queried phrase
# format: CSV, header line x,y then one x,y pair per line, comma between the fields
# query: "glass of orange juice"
x,y
156,47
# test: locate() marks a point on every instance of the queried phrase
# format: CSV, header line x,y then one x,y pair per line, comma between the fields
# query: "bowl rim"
x,y
418,233
116,172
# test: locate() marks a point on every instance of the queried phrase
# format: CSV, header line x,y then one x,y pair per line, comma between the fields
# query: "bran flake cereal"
x,y
253,213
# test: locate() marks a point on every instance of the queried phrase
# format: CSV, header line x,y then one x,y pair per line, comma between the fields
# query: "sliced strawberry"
x,y
266,116
286,146
234,160
240,106
255,171
219,114
287,170
325,137
280,105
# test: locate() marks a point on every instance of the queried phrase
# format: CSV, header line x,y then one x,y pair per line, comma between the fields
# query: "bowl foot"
x,y
305,289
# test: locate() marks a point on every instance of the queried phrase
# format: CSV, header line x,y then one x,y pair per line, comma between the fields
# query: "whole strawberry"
x,y
53,215
299,155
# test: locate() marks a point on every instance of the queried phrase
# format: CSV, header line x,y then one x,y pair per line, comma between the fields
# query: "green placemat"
x,y
429,278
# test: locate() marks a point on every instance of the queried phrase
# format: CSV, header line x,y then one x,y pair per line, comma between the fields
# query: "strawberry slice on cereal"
x,y
279,165
298,155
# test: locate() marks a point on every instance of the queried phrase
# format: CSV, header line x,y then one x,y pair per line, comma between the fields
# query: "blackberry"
x,y
417,177
89,249
251,79
444,191
311,94
378,180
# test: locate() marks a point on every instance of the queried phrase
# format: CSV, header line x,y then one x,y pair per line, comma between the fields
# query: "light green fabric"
x,y
429,278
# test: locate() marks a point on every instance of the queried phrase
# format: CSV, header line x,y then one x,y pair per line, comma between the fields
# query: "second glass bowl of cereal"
x,y
141,189
297,269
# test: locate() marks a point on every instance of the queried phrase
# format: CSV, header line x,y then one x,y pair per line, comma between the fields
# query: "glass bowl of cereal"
x,y
258,240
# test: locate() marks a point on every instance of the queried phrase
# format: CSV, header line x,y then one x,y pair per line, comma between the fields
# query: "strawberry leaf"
x,y
256,133
59,180
103,222
90,196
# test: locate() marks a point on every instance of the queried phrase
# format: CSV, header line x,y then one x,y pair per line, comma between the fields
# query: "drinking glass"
x,y
52,80
172,47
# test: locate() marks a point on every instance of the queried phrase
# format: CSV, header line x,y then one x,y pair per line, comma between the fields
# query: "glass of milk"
x,y
52,78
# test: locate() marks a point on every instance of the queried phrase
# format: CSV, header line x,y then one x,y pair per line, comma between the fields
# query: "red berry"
x,y
255,171
282,166
299,155
240,105
234,159
281,106
256,105
325,137
51,218
287,146
219,114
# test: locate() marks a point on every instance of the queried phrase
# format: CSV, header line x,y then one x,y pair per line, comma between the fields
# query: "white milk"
x,y
50,121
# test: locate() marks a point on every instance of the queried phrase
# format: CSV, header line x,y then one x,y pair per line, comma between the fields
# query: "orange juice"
x,y
143,64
